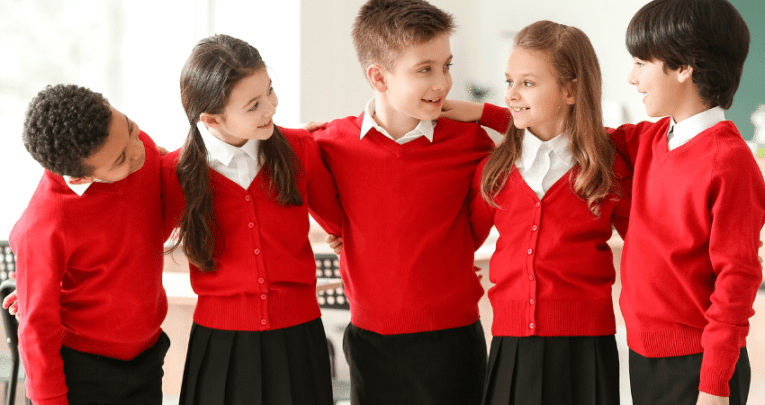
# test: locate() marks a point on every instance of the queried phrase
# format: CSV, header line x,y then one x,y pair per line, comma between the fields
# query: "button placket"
x,y
531,253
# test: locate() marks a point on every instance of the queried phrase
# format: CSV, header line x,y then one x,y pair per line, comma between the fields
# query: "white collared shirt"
x,y
237,163
79,189
424,128
541,164
680,133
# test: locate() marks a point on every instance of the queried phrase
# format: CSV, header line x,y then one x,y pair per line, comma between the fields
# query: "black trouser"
x,y
426,368
675,380
93,379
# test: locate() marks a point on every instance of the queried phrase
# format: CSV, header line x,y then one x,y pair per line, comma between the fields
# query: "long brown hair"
x,y
215,66
575,64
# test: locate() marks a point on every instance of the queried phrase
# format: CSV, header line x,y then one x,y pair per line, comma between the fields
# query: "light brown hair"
x,y
212,70
384,28
575,63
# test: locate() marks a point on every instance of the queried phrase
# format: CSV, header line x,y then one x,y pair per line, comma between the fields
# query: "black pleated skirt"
x,y
287,366
560,370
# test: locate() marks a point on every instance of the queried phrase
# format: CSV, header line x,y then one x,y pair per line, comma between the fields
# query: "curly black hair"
x,y
64,124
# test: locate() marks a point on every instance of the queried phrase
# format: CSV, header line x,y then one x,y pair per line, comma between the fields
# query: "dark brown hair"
x,y
383,28
64,125
575,63
215,66
708,35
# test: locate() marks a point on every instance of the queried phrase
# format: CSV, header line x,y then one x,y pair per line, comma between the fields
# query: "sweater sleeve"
x,y
621,214
39,243
323,198
495,117
481,213
737,208
627,139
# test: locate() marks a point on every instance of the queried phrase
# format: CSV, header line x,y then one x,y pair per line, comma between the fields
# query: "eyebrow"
x,y
431,61
270,83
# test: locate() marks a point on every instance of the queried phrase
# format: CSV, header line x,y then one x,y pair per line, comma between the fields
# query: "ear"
x,y
80,180
684,74
376,77
569,91
211,120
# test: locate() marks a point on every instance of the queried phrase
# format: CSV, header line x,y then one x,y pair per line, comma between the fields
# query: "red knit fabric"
x,y
690,271
265,274
407,248
552,267
89,271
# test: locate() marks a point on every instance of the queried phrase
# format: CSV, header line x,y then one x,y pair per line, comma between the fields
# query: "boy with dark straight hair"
x,y
690,271
403,176
89,255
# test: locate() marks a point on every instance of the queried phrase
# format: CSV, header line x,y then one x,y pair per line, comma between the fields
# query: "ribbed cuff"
x,y
715,381
495,117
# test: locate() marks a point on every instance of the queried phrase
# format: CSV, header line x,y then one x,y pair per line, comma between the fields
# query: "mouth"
x,y
434,102
518,110
267,124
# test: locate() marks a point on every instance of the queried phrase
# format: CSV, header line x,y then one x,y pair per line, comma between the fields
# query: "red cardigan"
x,y
265,274
89,273
552,267
690,271
407,259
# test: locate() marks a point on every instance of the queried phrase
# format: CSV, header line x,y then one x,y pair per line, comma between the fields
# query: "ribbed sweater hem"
x,y
246,312
554,318
57,400
681,341
116,350
395,321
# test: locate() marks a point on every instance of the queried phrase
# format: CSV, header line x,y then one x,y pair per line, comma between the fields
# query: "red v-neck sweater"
x,y
407,247
265,273
552,267
89,273
689,270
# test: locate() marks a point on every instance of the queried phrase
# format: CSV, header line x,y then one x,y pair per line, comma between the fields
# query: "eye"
x,y
528,83
270,90
425,70
448,66
509,83
254,107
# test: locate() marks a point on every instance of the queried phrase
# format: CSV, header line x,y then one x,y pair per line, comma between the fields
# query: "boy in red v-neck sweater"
x,y
89,255
403,177
689,269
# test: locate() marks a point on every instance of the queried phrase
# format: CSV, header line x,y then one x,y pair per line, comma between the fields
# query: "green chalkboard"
x,y
751,92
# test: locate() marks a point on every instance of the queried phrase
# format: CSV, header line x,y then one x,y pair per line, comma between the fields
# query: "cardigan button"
x,y
534,228
263,296
247,198
257,251
531,301
251,225
530,251
261,280
531,325
538,204
531,277
263,321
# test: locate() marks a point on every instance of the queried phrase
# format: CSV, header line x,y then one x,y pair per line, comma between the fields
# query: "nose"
x,y
273,101
443,82
511,94
632,76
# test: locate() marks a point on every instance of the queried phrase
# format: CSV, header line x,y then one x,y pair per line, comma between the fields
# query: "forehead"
x,y
529,61
249,87
437,49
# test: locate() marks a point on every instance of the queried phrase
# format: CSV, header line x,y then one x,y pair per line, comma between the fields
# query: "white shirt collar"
x,y
686,130
423,128
221,151
531,144
80,189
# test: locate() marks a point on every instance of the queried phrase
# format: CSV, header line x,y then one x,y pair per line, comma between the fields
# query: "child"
x,y
689,270
257,335
553,189
403,176
88,251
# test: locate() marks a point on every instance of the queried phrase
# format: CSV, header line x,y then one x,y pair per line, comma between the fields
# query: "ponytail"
x,y
276,155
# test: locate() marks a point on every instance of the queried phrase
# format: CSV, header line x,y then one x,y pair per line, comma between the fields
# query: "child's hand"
x,y
478,271
709,399
335,242
11,302
464,111
313,126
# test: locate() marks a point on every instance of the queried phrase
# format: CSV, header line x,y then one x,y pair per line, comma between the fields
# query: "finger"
x,y
12,274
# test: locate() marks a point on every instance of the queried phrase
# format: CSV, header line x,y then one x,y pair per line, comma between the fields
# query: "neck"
x,y
689,105
396,123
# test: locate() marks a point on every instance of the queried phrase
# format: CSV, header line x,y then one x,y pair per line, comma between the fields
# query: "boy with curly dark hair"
x,y
89,262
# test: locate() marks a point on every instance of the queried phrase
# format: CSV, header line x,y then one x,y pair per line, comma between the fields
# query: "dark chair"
x,y
328,267
11,326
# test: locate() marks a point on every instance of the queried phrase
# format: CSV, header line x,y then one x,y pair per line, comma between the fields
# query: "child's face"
x,y
533,94
249,112
659,88
420,79
121,154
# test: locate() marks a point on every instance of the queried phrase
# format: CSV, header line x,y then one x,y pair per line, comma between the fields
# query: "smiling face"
x,y
659,88
122,153
249,112
533,94
419,82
